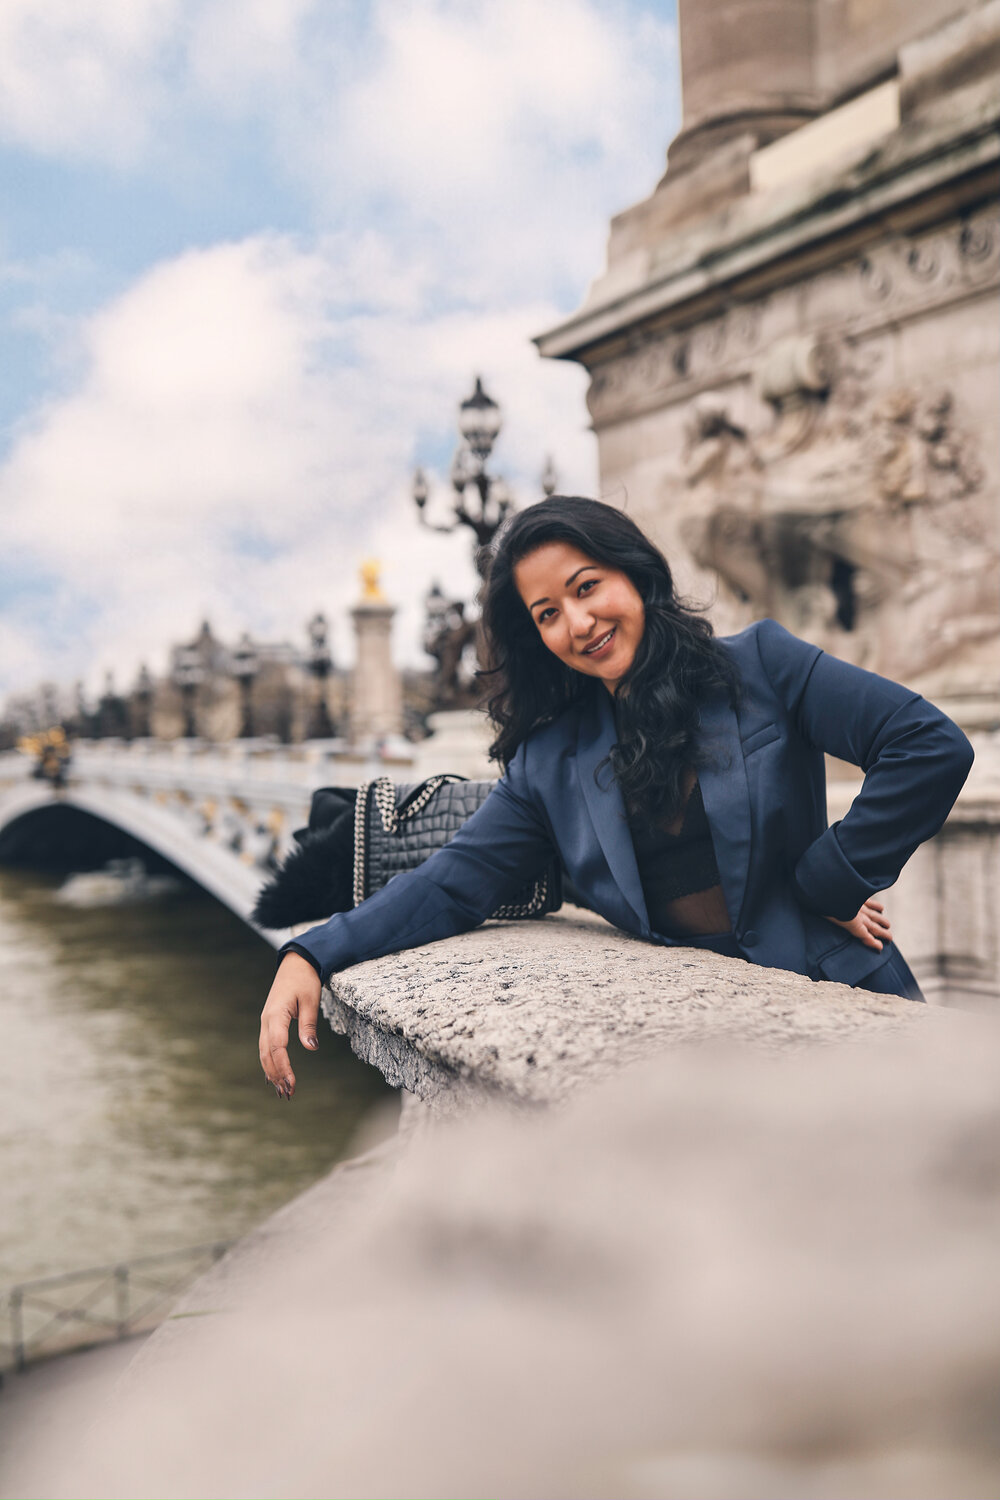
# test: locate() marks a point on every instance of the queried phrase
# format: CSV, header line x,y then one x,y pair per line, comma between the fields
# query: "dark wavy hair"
x,y
677,666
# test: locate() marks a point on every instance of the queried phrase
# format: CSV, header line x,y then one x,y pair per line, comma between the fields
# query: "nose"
x,y
579,618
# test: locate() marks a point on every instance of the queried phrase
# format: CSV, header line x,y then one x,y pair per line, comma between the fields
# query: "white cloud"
x,y
242,437
235,48
103,79
500,135
79,76
237,428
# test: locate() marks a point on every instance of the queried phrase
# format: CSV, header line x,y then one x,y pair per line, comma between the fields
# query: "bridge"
x,y
221,814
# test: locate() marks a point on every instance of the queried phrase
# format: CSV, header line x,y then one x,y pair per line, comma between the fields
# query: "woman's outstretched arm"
x,y
503,844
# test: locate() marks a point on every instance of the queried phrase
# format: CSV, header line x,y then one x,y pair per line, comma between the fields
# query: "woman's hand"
x,y
294,994
871,925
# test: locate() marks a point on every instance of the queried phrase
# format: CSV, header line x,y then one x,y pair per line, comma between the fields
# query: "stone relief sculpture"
x,y
854,517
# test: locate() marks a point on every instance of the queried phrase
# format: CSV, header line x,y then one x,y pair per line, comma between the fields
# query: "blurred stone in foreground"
x,y
721,1274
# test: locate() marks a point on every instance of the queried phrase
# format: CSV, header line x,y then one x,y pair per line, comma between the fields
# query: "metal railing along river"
x,y
75,1310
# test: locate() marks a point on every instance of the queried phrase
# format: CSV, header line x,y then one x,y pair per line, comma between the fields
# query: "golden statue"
x,y
371,592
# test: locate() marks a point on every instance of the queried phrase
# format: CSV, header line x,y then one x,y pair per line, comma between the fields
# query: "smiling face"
x,y
589,615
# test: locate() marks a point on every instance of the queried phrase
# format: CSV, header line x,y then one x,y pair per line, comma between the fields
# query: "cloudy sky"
x,y
252,253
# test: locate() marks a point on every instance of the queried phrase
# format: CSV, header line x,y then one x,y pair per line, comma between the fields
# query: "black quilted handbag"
x,y
358,839
398,827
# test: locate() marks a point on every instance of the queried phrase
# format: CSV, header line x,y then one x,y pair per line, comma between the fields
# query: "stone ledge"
x,y
730,1273
528,1011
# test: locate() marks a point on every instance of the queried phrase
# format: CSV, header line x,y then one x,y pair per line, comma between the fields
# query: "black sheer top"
x,y
679,873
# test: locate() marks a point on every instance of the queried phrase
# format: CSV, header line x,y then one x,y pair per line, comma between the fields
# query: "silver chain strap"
x,y
361,840
539,896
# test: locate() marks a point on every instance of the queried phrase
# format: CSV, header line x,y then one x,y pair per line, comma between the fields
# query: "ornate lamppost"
x,y
245,665
111,715
84,726
142,695
188,674
320,666
481,501
550,479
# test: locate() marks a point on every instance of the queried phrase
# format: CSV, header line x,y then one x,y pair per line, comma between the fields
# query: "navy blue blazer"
x,y
783,870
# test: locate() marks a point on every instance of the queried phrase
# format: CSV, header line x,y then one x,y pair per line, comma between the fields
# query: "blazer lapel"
x,y
726,795
604,801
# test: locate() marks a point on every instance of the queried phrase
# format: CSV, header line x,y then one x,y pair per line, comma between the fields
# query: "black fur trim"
x,y
316,879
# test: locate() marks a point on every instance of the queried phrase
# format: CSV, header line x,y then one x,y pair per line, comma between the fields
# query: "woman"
x,y
680,777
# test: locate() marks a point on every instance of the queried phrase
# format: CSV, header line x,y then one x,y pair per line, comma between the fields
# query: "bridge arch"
x,y
209,864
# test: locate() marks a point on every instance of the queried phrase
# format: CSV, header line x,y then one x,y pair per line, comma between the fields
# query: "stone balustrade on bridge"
x,y
222,814
225,814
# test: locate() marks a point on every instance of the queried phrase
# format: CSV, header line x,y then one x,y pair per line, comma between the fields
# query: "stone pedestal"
x,y
748,71
459,741
376,692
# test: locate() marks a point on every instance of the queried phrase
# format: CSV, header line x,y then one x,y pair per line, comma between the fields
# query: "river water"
x,y
134,1117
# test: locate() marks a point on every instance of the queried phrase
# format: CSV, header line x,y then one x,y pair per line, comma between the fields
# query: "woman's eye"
x,y
543,615
587,585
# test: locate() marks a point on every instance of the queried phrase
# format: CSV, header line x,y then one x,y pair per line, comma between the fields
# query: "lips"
x,y
601,643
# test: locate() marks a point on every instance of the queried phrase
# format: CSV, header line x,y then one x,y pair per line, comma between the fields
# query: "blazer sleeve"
x,y
501,846
915,761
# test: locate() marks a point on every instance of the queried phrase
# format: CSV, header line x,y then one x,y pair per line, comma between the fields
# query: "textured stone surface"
x,y
726,1274
764,474
531,1010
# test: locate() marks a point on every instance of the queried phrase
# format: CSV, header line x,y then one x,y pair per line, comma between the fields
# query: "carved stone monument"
x,y
376,693
794,354
795,346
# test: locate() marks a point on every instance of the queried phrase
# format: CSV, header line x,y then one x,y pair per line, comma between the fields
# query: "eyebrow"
x,y
572,576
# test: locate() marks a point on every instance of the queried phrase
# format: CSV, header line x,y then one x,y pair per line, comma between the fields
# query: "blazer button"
x,y
750,939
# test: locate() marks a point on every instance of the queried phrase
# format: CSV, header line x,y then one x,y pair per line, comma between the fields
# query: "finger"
x,y
308,1019
273,1033
874,905
264,1053
274,1076
280,1072
277,1066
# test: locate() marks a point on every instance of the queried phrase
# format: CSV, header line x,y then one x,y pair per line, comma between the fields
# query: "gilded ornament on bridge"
x,y
371,589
